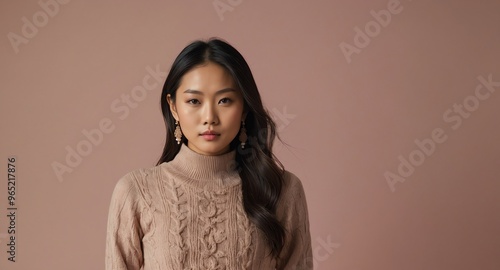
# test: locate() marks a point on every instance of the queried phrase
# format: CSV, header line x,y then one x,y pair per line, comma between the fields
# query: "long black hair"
x,y
260,171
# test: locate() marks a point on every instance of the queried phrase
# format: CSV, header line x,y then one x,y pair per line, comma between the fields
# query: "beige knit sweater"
x,y
188,214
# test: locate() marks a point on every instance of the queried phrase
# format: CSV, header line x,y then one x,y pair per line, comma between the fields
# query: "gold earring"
x,y
243,134
177,132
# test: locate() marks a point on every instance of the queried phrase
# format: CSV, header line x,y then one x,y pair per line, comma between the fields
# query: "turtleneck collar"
x,y
205,171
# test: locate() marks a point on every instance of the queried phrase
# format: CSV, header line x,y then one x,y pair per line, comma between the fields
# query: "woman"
x,y
218,198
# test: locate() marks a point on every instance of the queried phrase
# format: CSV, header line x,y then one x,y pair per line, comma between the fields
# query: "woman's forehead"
x,y
210,79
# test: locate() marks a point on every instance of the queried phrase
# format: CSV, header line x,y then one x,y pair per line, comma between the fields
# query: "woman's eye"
x,y
227,100
192,100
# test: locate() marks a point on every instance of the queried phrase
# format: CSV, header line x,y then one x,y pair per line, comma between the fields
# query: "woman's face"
x,y
208,100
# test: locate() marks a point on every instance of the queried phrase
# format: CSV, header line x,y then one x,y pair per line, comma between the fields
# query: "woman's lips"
x,y
209,135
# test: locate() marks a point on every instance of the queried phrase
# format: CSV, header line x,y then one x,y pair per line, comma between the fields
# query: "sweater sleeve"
x,y
297,252
123,239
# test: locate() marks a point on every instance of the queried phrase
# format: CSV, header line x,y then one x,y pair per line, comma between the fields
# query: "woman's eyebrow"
x,y
197,92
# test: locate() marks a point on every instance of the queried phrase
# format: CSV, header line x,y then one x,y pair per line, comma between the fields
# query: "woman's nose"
x,y
210,115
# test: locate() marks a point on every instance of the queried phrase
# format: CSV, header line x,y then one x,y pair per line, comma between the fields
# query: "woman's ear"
x,y
173,109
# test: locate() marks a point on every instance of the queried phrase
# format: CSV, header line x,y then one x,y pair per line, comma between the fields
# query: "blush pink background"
x,y
347,123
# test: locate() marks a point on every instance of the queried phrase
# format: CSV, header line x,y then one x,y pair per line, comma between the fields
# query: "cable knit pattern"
x,y
188,214
178,224
245,242
211,209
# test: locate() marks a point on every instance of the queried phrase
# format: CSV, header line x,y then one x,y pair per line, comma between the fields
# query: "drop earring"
x,y
177,132
243,134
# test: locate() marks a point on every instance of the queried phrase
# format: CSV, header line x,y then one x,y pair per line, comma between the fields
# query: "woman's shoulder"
x,y
292,188
291,181
136,175
136,181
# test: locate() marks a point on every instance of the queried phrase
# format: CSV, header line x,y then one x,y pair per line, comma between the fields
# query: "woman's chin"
x,y
208,148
